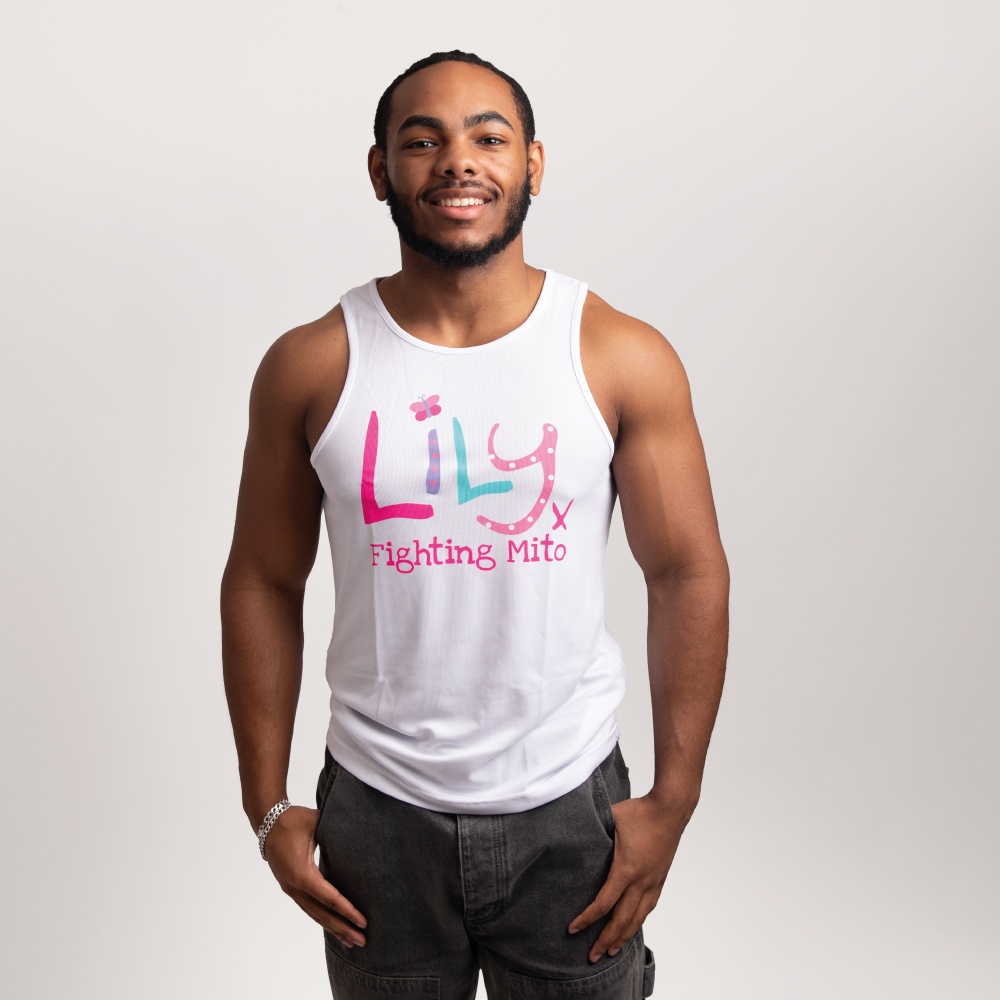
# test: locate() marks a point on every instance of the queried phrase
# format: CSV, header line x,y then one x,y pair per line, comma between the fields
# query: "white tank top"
x,y
468,502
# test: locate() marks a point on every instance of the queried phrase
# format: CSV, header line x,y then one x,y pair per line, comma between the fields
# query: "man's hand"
x,y
647,833
290,850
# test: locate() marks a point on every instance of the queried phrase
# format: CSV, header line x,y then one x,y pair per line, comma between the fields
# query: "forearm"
x,y
687,646
262,671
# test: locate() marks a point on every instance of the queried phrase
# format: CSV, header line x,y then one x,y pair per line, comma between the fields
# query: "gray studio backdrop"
x,y
802,197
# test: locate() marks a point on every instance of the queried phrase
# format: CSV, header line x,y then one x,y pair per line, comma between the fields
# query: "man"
x,y
465,425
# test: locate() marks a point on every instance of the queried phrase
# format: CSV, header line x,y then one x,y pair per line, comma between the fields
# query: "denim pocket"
x,y
324,787
624,979
603,802
623,772
349,981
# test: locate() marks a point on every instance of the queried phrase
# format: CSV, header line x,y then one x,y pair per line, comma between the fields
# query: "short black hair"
x,y
521,102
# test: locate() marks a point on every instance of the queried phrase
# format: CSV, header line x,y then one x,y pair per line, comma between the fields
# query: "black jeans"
x,y
445,895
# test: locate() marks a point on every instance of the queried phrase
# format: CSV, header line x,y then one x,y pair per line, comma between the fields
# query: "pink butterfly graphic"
x,y
427,407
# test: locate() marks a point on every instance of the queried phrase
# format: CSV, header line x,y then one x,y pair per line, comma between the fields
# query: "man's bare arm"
x,y
274,547
670,523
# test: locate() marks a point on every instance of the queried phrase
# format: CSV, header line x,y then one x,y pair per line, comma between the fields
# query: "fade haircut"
x,y
521,102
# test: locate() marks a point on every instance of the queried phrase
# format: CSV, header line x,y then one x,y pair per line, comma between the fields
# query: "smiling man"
x,y
465,426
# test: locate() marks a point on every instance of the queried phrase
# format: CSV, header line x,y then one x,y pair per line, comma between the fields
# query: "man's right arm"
x,y
274,547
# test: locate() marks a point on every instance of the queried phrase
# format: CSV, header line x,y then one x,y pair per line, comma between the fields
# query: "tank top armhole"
x,y
352,367
578,368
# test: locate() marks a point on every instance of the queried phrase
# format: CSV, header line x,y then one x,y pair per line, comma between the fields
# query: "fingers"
x,y
620,920
329,907
332,898
609,894
635,905
344,932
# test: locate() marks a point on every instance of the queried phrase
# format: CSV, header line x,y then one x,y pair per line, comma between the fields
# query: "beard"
x,y
459,257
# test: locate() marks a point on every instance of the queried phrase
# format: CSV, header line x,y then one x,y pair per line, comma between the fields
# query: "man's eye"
x,y
418,144
493,140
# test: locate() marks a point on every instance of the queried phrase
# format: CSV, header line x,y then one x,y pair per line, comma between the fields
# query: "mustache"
x,y
463,185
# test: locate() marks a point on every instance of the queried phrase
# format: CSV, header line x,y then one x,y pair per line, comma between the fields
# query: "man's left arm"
x,y
669,518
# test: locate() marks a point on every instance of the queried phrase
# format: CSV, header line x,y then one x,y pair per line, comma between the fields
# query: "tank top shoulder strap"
x,y
360,312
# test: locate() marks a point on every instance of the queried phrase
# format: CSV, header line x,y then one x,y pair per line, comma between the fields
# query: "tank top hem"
x,y
563,782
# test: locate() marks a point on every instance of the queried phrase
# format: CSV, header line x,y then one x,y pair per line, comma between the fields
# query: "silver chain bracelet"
x,y
265,828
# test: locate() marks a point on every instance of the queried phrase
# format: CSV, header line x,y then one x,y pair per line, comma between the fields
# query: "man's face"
x,y
454,135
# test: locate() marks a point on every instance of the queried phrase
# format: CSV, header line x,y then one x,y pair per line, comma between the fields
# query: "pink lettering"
x,y
369,505
545,456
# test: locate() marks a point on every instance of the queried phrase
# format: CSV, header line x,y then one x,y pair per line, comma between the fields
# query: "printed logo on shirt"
x,y
542,549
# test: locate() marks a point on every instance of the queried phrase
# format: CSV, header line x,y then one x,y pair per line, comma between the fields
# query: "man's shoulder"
x,y
303,367
632,367
631,344
304,352
301,343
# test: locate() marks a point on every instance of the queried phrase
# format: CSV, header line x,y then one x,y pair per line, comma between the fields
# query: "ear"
x,y
377,171
536,166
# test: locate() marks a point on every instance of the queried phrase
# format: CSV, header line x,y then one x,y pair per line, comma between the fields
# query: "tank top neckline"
x,y
507,338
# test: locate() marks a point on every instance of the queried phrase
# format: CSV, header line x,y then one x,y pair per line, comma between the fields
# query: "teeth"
x,y
461,202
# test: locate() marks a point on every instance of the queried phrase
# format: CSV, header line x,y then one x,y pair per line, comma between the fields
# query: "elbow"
x,y
708,570
241,580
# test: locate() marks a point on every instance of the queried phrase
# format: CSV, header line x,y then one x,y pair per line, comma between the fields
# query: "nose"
x,y
457,159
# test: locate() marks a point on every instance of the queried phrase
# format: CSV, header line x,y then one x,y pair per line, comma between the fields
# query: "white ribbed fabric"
x,y
468,502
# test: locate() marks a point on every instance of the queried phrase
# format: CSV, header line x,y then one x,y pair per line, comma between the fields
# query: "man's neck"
x,y
462,307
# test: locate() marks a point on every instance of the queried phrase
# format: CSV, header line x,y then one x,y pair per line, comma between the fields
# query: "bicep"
x,y
659,464
280,497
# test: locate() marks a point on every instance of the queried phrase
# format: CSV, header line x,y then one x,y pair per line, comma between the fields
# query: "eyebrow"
x,y
425,121
487,116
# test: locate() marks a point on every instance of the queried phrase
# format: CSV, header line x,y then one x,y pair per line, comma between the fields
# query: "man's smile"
x,y
459,203
456,202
